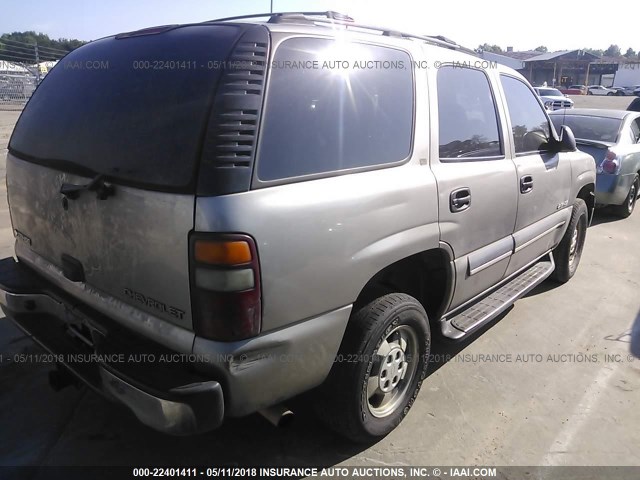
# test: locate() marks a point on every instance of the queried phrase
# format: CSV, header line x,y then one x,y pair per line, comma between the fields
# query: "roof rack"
x,y
336,18
279,16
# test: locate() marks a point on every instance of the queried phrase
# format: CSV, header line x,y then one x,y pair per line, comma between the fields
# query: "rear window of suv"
x,y
333,106
133,109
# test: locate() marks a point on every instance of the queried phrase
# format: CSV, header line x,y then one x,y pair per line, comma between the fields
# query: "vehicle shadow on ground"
x,y
95,432
604,215
100,433
444,350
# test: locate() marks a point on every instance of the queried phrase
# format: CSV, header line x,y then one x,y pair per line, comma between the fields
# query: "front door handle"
x,y
526,184
460,199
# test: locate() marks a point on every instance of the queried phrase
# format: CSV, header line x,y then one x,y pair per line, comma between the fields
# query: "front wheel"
x,y
379,369
629,204
569,251
609,94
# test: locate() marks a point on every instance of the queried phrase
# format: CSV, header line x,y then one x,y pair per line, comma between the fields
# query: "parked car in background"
x,y
634,106
611,137
574,90
600,90
553,99
622,91
636,90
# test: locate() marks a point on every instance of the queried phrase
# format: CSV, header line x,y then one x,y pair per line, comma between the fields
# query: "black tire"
x,y
629,204
589,93
347,401
567,256
609,94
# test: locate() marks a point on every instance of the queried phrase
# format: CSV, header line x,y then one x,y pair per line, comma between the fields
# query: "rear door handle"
x,y
526,184
460,199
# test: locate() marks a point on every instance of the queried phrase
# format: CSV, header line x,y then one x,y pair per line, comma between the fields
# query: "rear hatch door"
x,y
103,162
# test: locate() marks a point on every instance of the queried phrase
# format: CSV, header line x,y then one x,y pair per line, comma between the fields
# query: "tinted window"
x,y
531,131
599,129
635,130
133,109
467,115
321,118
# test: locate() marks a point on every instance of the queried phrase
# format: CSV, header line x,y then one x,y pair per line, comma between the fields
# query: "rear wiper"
x,y
103,189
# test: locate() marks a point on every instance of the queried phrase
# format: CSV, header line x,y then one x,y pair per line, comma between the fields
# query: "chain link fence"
x,y
22,68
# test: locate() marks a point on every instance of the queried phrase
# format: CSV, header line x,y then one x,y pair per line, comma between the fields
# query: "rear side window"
x,y
467,115
325,114
529,124
635,130
133,109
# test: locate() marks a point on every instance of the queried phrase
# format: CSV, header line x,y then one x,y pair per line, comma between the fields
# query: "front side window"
x,y
467,115
333,106
529,124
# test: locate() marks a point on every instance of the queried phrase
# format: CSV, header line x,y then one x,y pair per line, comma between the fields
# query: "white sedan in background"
x,y
600,90
552,98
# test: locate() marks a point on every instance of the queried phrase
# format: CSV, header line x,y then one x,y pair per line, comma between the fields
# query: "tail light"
x,y
225,286
610,164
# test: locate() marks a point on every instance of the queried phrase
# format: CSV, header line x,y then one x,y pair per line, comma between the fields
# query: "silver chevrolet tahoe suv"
x,y
224,215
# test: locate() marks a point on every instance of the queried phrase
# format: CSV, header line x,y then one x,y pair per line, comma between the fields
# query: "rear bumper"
x,y
612,189
194,387
174,401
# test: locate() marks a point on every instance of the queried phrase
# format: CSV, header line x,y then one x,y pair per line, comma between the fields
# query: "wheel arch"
x,y
428,276
587,193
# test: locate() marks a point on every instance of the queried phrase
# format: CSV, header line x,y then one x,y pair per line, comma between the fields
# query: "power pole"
x,y
37,65
586,80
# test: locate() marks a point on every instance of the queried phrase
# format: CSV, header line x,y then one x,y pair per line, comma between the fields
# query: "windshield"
x,y
549,92
597,129
133,109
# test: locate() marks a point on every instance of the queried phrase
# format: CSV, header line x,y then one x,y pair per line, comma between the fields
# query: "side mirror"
x,y
567,142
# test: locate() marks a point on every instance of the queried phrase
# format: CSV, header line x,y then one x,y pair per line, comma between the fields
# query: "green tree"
x,y
612,51
630,53
20,46
541,49
593,51
489,48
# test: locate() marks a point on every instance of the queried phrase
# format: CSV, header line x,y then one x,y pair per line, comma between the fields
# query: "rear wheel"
x,y
609,94
568,253
379,370
629,203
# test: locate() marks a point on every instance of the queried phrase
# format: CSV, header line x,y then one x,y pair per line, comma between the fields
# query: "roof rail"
x,y
276,16
336,18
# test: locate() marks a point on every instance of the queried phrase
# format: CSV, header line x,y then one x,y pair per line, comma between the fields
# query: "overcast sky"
x,y
468,22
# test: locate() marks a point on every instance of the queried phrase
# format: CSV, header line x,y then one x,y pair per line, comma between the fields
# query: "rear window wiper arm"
x,y
98,184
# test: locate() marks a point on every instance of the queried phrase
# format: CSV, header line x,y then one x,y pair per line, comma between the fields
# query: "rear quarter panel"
x,y
320,241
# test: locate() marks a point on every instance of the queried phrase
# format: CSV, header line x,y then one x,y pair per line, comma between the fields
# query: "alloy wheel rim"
x,y
395,366
573,247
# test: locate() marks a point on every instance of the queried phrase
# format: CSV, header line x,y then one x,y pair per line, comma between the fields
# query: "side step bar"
x,y
496,302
